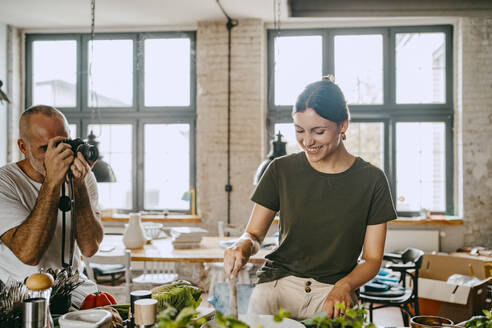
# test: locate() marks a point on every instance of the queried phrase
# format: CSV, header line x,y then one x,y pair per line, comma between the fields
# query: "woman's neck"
x,y
337,162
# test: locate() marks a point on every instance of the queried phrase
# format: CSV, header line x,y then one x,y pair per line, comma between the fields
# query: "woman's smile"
x,y
313,150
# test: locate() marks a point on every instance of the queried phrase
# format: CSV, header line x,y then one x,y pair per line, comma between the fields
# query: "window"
x,y
54,72
139,101
111,64
399,89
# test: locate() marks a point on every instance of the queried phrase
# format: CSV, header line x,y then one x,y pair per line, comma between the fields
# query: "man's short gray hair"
x,y
38,109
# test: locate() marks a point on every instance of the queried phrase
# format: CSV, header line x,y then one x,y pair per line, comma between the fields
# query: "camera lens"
x,y
89,152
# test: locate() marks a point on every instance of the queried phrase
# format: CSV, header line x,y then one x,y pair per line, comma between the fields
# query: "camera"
x,y
78,145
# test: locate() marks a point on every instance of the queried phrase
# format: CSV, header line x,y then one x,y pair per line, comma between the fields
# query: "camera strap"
x,y
65,205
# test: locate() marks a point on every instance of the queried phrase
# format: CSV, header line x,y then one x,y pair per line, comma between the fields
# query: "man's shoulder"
x,y
9,173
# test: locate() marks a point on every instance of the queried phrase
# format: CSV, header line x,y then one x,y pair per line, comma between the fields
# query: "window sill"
x,y
160,218
434,220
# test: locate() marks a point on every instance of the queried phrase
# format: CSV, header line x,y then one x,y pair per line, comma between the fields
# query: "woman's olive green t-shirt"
x,y
323,217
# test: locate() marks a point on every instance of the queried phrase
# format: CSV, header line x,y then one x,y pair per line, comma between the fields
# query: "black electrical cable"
x,y
228,188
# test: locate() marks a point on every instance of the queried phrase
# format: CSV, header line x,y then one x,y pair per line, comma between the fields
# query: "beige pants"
x,y
302,297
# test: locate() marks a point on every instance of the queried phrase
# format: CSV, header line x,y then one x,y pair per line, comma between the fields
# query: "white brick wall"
x,y
247,117
474,112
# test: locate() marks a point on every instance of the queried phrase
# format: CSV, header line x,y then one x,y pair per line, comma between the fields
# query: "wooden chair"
x,y
121,293
156,273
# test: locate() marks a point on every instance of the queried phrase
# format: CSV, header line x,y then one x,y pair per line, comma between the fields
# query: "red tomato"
x,y
96,300
89,302
110,298
102,300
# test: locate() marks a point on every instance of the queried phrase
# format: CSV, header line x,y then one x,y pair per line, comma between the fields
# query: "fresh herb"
x,y
170,318
484,321
353,317
281,315
179,295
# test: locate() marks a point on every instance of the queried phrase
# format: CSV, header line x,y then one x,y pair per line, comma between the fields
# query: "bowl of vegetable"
x,y
426,321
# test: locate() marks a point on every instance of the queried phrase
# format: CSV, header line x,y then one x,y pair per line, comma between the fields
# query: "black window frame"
x,y
137,114
389,113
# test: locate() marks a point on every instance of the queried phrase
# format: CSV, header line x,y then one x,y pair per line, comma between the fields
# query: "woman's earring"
x,y
343,136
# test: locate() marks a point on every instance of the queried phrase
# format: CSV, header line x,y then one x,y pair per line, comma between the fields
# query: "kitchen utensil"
x,y
34,313
145,312
233,296
135,296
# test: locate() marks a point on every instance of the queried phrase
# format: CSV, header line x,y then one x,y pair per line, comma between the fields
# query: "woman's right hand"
x,y
236,256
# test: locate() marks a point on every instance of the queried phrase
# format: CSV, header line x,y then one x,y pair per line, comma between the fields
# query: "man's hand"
x,y
341,293
57,161
79,168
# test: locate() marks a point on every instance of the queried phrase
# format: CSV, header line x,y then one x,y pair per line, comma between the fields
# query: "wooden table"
x,y
171,218
161,250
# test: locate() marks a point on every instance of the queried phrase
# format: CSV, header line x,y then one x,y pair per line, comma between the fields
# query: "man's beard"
x,y
37,165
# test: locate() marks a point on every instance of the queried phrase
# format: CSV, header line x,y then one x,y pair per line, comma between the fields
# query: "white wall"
x,y
3,106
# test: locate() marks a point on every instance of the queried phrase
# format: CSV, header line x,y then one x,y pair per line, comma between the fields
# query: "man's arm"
x,y
30,240
88,229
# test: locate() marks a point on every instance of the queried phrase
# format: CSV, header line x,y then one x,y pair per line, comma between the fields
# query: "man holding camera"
x,y
30,220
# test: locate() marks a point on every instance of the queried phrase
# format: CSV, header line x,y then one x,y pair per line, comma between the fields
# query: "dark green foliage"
x,y
484,321
179,295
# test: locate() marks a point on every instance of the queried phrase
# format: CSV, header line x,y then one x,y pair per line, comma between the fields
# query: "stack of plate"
x,y
187,237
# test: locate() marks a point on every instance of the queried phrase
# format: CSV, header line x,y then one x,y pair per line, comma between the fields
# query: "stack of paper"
x,y
187,237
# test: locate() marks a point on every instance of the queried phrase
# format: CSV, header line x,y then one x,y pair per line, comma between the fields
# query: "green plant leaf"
x,y
340,306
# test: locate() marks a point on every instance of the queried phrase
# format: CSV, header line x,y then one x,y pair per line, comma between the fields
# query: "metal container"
x,y
34,313
135,296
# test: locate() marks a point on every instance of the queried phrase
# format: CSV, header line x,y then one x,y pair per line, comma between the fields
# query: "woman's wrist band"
x,y
255,244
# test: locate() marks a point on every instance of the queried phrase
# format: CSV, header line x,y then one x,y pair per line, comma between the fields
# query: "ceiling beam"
x,y
385,8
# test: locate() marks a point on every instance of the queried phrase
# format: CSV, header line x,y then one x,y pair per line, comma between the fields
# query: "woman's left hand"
x,y
341,293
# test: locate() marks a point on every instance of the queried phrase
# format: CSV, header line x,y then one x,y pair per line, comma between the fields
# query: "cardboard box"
x,y
437,297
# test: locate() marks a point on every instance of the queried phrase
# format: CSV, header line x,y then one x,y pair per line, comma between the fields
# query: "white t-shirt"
x,y
18,195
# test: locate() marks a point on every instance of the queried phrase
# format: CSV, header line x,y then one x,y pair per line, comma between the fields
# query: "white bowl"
x,y
152,229
263,320
93,318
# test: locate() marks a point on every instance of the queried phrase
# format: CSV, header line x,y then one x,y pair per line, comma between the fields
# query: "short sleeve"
x,y
382,208
91,184
12,212
266,192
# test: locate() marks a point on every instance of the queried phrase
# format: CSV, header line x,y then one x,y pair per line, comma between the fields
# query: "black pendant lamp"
x,y
101,169
3,95
277,150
